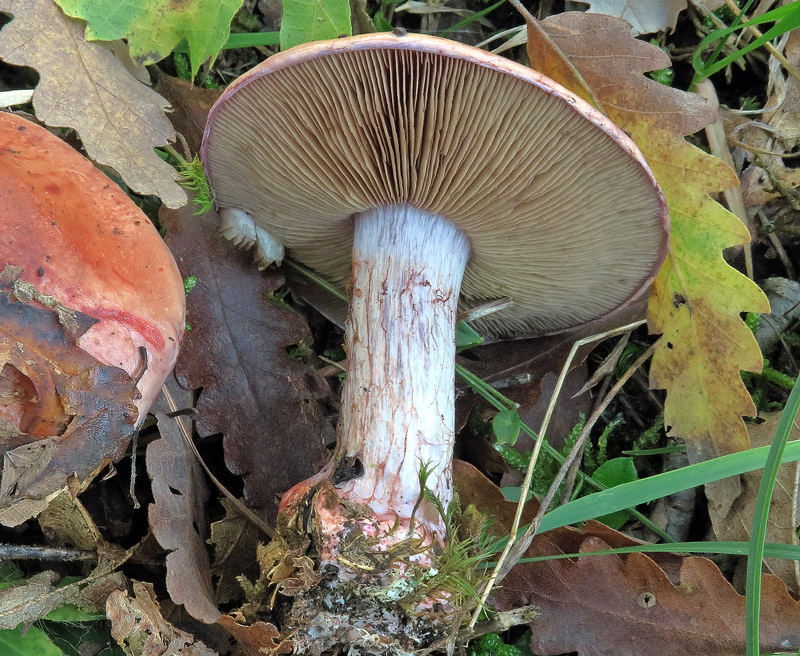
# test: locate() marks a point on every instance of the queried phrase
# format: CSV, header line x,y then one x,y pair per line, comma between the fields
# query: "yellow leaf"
x,y
697,298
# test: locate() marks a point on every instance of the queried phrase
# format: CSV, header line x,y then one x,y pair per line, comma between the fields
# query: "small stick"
x,y
249,514
523,543
29,552
526,485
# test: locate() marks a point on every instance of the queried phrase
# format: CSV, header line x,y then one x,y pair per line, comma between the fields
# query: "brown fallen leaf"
x,y
621,606
235,540
785,118
626,605
190,105
645,16
72,415
84,86
139,628
66,521
783,511
265,403
177,515
37,595
257,639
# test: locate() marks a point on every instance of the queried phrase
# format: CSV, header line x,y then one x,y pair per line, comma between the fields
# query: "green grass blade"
x,y
471,19
758,531
629,495
501,402
786,18
771,550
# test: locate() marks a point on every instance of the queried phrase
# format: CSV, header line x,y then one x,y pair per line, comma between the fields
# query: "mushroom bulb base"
x,y
377,587
366,513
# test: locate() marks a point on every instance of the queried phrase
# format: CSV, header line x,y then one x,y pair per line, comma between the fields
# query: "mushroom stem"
x,y
398,397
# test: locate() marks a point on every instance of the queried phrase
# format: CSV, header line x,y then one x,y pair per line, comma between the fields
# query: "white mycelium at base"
x,y
397,405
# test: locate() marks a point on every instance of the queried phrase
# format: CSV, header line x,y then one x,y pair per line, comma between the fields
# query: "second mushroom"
x,y
428,177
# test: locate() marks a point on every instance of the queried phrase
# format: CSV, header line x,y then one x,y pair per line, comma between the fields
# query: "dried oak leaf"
x,y
139,628
263,402
645,16
629,605
697,299
620,606
69,414
84,86
235,540
176,517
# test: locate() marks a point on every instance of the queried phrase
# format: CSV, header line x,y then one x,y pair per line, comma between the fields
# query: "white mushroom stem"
x,y
398,398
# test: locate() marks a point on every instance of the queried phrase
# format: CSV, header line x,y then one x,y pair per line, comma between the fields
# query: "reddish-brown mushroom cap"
x,y
562,214
80,239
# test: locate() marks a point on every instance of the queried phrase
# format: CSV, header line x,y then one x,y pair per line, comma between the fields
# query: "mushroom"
x,y
79,239
428,177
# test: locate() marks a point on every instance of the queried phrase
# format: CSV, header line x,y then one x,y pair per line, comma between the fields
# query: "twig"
x,y
718,144
524,542
28,552
778,246
249,514
526,485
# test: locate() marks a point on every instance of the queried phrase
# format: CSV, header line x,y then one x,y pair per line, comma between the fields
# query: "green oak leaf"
x,y
314,20
154,27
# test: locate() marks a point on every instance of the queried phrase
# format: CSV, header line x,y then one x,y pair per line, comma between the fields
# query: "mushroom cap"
x,y
562,214
79,238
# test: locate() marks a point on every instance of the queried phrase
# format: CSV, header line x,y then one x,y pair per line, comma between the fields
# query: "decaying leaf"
x,y
139,628
258,639
190,105
696,300
66,521
783,511
36,596
626,605
69,416
154,27
263,401
645,16
84,86
235,539
176,517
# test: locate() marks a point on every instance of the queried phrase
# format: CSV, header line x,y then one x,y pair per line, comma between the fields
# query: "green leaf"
x,y
381,24
506,426
612,473
189,283
466,337
30,642
73,638
71,613
154,27
314,20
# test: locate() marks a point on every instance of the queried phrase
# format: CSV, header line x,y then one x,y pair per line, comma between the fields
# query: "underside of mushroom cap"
x,y
562,214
